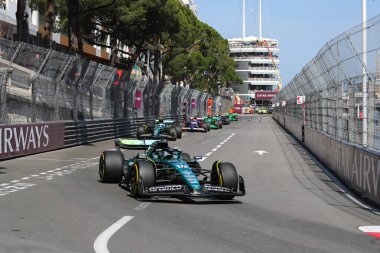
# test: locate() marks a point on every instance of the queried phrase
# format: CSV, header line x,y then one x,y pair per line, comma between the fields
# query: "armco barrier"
x,y
356,166
27,139
77,133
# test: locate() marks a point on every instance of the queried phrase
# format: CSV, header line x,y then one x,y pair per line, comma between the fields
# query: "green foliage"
x,y
192,52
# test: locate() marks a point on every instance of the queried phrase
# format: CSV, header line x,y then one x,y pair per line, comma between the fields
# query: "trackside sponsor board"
x,y
27,139
265,95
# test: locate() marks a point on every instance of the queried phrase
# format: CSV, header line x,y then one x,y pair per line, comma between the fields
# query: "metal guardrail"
x,y
83,132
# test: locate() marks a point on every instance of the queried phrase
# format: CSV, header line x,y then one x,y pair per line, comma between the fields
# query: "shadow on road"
x,y
1,170
188,201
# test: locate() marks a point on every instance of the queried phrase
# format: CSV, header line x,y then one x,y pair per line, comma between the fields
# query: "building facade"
x,y
256,62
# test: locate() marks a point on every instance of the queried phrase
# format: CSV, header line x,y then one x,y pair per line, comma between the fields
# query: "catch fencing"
x,y
42,85
342,91
332,106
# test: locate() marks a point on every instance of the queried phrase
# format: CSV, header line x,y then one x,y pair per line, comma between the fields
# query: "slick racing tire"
x,y
179,132
228,121
111,166
140,131
142,175
220,124
206,126
224,174
173,132
185,157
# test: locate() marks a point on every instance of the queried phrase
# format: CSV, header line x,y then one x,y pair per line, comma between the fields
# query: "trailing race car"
x,y
225,119
232,116
160,128
165,171
262,110
214,121
196,125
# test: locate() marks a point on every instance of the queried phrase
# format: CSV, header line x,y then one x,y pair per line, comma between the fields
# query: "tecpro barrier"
x,y
39,85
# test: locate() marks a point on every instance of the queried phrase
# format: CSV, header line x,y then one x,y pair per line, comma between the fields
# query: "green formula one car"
x,y
232,116
214,121
160,128
165,171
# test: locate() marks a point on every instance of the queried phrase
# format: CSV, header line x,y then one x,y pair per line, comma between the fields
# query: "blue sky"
x,y
301,26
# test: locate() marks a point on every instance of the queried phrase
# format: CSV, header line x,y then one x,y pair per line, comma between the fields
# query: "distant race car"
x,y
225,119
232,116
195,124
214,121
160,128
262,110
165,171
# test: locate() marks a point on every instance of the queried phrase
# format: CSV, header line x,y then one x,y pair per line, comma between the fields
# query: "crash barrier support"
x,y
356,166
26,139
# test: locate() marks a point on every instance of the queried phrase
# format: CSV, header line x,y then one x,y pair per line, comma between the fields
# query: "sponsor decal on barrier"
x,y
138,98
193,103
165,188
265,95
360,168
27,139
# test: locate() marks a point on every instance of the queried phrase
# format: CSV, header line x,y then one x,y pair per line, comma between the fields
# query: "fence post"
x,y
4,79
33,78
371,112
58,87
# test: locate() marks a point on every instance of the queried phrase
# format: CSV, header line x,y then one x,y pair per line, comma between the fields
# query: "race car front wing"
x,y
206,191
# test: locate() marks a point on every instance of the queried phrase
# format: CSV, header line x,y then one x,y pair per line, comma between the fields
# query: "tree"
x,y
22,21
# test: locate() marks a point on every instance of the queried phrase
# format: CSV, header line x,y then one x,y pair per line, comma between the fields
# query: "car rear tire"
x,y
140,131
143,175
179,132
111,166
224,174
173,132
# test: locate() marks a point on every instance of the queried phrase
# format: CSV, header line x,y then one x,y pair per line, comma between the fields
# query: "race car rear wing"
x,y
130,143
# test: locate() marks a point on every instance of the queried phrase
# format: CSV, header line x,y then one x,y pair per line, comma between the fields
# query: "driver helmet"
x,y
161,120
166,155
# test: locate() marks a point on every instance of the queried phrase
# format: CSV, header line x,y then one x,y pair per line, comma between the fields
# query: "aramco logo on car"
x,y
26,139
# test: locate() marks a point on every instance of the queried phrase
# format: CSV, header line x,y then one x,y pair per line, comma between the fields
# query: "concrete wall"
x,y
356,166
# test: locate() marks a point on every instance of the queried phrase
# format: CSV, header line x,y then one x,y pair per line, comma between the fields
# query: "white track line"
x,y
216,148
6,188
100,244
142,206
357,201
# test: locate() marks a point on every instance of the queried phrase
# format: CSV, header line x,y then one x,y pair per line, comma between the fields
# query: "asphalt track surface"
x,y
53,202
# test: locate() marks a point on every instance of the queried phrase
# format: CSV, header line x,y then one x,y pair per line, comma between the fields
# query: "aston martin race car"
x,y
160,128
165,171
232,116
214,121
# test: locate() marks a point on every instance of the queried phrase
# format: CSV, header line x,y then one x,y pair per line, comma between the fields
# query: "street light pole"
x,y
243,19
260,35
364,72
